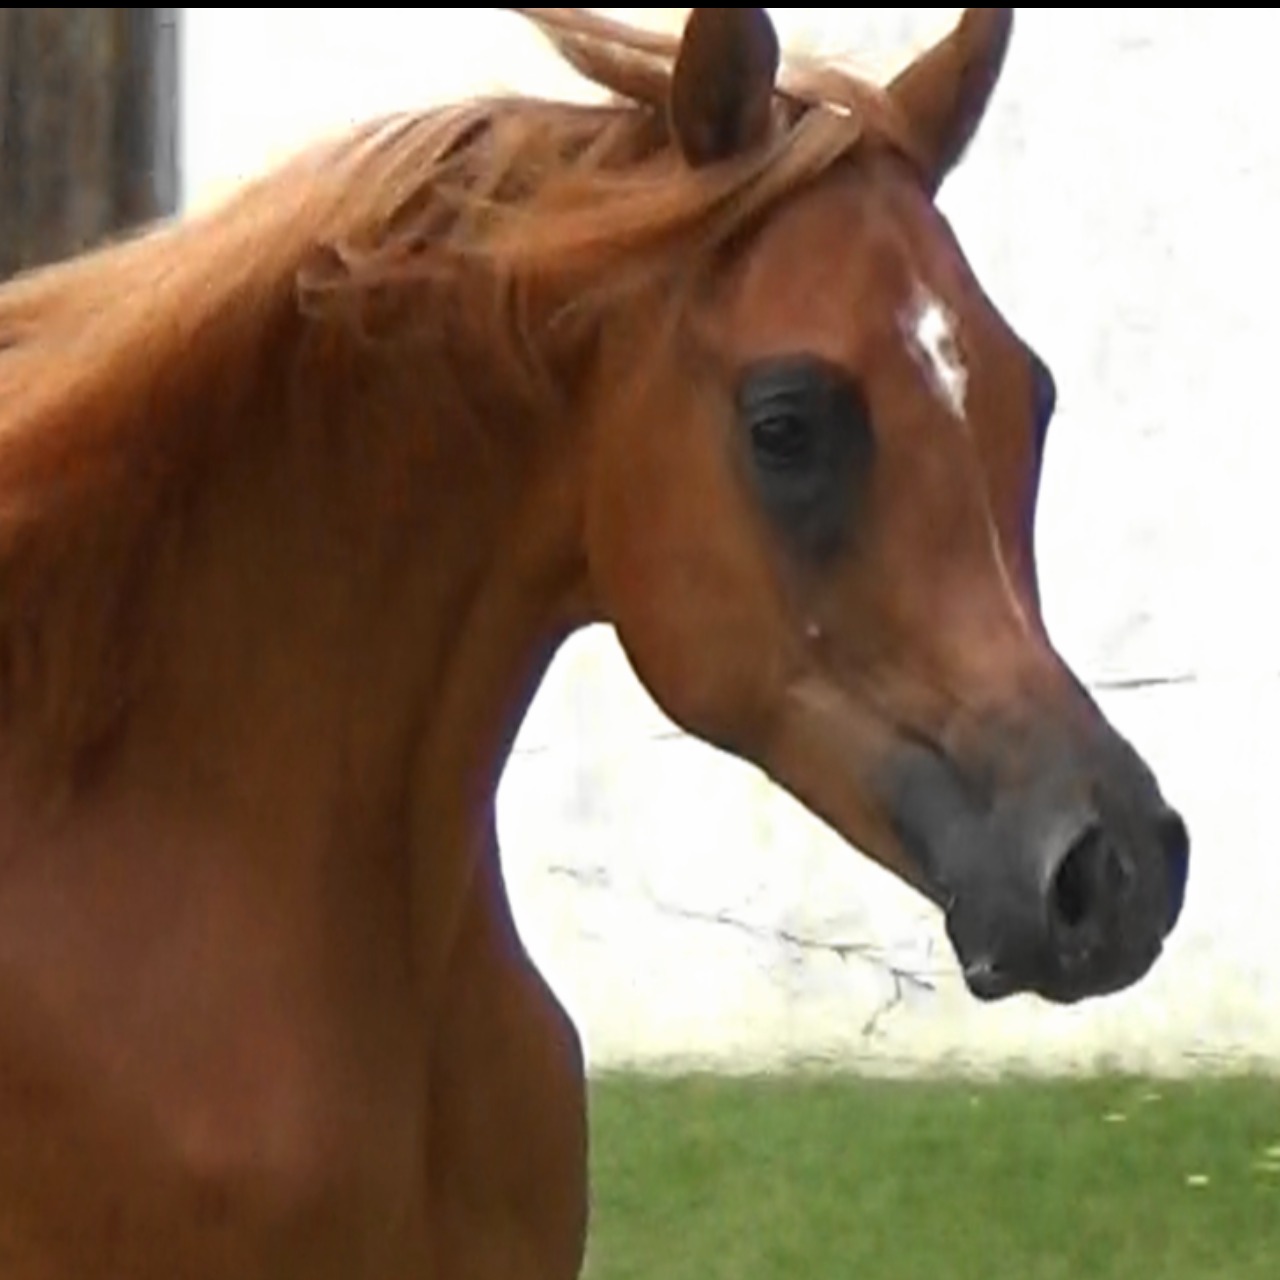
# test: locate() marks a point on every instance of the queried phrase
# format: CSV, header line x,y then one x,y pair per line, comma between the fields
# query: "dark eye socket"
x,y
1044,392
796,411
808,448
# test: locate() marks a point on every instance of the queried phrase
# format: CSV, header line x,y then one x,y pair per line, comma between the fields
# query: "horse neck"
x,y
356,632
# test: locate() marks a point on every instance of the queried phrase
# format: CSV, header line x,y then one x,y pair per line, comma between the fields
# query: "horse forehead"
x,y
835,265
867,230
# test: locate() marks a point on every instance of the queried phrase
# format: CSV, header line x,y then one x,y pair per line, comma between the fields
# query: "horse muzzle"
x,y
1065,882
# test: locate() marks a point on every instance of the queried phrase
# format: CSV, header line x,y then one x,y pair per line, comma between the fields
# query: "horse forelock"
x,y
124,372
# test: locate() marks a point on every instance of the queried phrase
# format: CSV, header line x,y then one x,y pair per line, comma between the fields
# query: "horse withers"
x,y
298,500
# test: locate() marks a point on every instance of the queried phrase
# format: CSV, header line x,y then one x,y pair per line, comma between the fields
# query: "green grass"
x,y
828,1178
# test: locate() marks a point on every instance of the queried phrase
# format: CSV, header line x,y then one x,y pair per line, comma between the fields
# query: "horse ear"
x,y
722,85
944,93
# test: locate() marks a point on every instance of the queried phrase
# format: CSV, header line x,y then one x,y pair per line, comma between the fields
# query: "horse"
x,y
298,499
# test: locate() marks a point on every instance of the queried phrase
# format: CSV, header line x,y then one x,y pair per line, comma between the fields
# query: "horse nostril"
x,y
1175,843
1092,874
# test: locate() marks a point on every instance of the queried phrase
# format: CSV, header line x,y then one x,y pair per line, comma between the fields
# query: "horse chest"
x,y
187,1076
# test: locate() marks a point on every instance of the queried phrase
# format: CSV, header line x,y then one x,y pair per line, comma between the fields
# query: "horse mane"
x,y
491,234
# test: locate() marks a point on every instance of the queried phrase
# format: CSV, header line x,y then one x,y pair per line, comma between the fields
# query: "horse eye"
x,y
783,439
796,410
809,447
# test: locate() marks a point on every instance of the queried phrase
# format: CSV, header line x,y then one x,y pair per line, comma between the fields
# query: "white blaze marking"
x,y
931,337
930,333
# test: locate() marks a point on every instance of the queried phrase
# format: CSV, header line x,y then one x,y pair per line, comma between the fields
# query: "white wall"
x,y
1119,207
